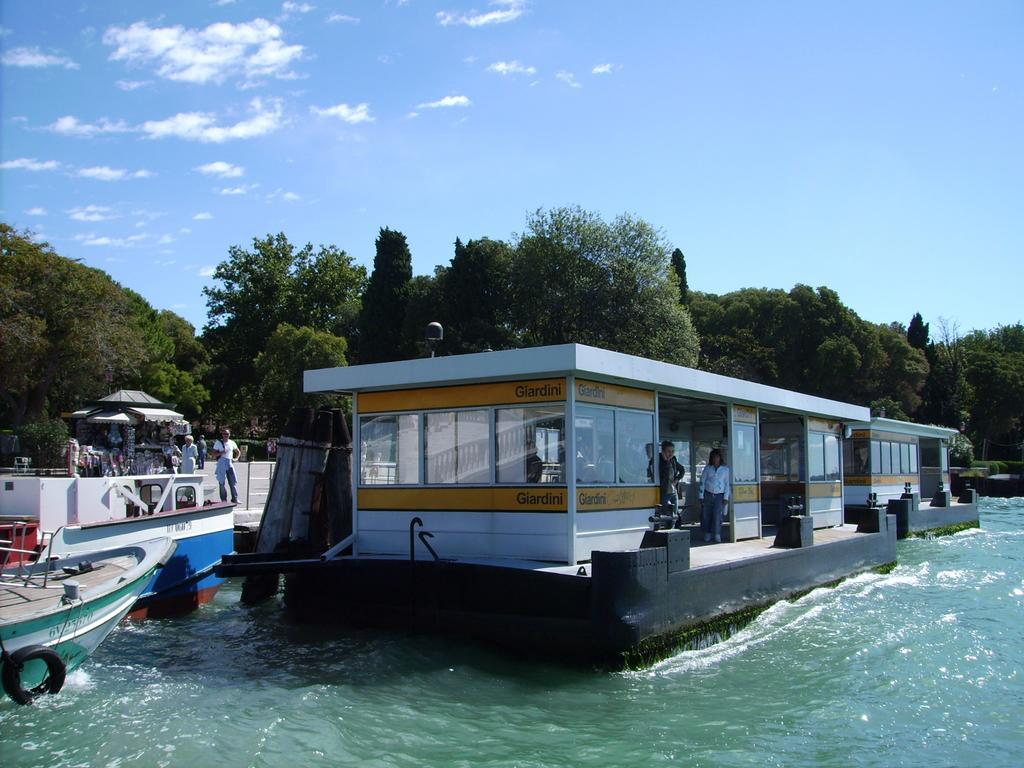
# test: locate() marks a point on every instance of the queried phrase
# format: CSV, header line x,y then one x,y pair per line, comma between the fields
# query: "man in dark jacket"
x,y
670,474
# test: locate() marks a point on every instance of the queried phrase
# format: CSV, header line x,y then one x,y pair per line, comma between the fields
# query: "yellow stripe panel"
x,y
741,493
879,479
826,490
817,425
477,499
498,393
595,499
613,394
741,414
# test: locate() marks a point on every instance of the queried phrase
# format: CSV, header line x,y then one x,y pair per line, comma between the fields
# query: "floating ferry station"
x,y
512,496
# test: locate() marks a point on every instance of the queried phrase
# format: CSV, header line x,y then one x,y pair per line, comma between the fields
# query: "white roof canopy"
x,y
573,360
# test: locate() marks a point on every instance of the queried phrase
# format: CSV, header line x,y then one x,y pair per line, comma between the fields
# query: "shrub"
x,y
44,441
961,451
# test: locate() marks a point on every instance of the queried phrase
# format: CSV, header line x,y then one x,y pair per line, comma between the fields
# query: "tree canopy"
x,y
386,298
576,278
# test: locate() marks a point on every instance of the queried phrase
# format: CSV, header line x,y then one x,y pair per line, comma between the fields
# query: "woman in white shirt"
x,y
713,490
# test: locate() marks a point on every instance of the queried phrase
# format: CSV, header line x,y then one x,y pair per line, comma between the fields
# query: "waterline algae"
x,y
920,666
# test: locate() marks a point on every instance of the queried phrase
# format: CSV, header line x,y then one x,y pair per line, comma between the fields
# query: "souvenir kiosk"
x,y
125,433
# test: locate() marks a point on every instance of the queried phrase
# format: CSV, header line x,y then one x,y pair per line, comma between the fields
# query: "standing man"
x,y
670,474
201,445
713,489
226,452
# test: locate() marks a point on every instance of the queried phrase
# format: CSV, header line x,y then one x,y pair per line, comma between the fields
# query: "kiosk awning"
x,y
111,417
157,414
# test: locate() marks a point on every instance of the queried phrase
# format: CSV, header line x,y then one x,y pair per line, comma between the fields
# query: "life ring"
x,y
15,662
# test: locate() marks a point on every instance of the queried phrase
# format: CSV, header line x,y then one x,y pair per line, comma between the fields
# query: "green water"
x,y
920,667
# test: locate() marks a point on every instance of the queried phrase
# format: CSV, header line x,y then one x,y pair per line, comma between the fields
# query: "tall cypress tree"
x,y
385,300
679,265
917,332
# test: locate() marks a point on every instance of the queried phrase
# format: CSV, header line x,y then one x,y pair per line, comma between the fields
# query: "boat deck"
x,y
702,555
18,600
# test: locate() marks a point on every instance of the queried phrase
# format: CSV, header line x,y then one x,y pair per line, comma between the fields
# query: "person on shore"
x,y
189,456
201,448
670,474
226,452
713,490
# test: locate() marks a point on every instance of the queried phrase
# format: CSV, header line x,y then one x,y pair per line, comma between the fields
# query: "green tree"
x,y
679,266
576,278
289,352
917,332
425,305
257,290
475,291
62,325
385,299
189,353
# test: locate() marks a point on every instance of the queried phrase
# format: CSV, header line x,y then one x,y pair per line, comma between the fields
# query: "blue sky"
x,y
874,147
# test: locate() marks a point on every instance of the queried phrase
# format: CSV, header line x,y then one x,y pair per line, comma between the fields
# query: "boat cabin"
x,y
549,453
55,502
884,456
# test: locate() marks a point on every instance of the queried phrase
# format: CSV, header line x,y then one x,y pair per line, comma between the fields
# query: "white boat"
x,y
56,611
83,514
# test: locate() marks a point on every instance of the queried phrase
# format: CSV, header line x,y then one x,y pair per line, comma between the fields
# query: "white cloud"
x,y
70,126
105,173
132,85
221,50
184,231
336,18
505,11
114,242
35,212
290,7
33,57
203,216
291,197
30,164
201,126
568,78
165,240
93,213
360,113
447,101
221,169
602,69
241,189
511,68
226,2
207,271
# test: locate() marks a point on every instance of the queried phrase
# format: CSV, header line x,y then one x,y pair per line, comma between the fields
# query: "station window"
x,y
885,467
530,444
823,455
913,458
905,458
595,445
744,455
856,454
634,441
458,447
389,449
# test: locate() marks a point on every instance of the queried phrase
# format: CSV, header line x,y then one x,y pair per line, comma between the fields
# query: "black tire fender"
x,y
15,662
